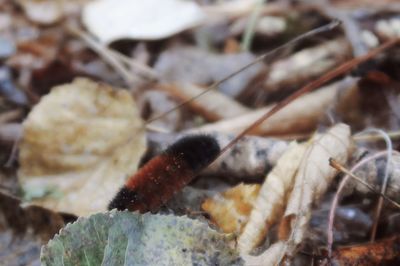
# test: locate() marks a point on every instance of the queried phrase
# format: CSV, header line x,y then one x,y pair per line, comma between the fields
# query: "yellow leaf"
x,y
231,209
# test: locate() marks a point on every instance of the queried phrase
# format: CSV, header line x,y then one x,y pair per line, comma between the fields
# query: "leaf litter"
x,y
78,142
79,175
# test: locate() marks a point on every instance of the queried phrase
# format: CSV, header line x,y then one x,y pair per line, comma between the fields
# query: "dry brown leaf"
x,y
81,142
270,203
213,105
382,252
300,116
230,210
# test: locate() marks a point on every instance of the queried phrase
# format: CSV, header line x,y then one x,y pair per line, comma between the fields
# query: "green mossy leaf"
x,y
126,238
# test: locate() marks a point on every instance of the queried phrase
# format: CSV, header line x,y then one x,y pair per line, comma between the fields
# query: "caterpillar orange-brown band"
x,y
158,180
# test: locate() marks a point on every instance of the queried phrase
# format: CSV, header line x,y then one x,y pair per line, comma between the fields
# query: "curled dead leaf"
x,y
312,180
271,200
80,142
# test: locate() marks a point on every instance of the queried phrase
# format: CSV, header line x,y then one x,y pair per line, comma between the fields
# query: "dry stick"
x,y
310,87
338,192
306,35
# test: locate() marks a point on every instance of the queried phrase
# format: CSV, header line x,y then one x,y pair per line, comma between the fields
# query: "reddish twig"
x,y
312,86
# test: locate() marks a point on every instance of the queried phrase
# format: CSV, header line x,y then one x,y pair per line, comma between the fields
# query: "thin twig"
x,y
342,184
262,57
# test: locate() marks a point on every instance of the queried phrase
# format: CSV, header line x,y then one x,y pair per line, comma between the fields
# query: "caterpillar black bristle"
x,y
164,175
197,151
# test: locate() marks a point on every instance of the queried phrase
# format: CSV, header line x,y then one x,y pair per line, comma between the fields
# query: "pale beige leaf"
x,y
312,180
81,141
231,209
112,20
302,115
271,200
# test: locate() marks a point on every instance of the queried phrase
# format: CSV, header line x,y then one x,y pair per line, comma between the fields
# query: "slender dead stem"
x,y
339,191
389,147
251,25
341,168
